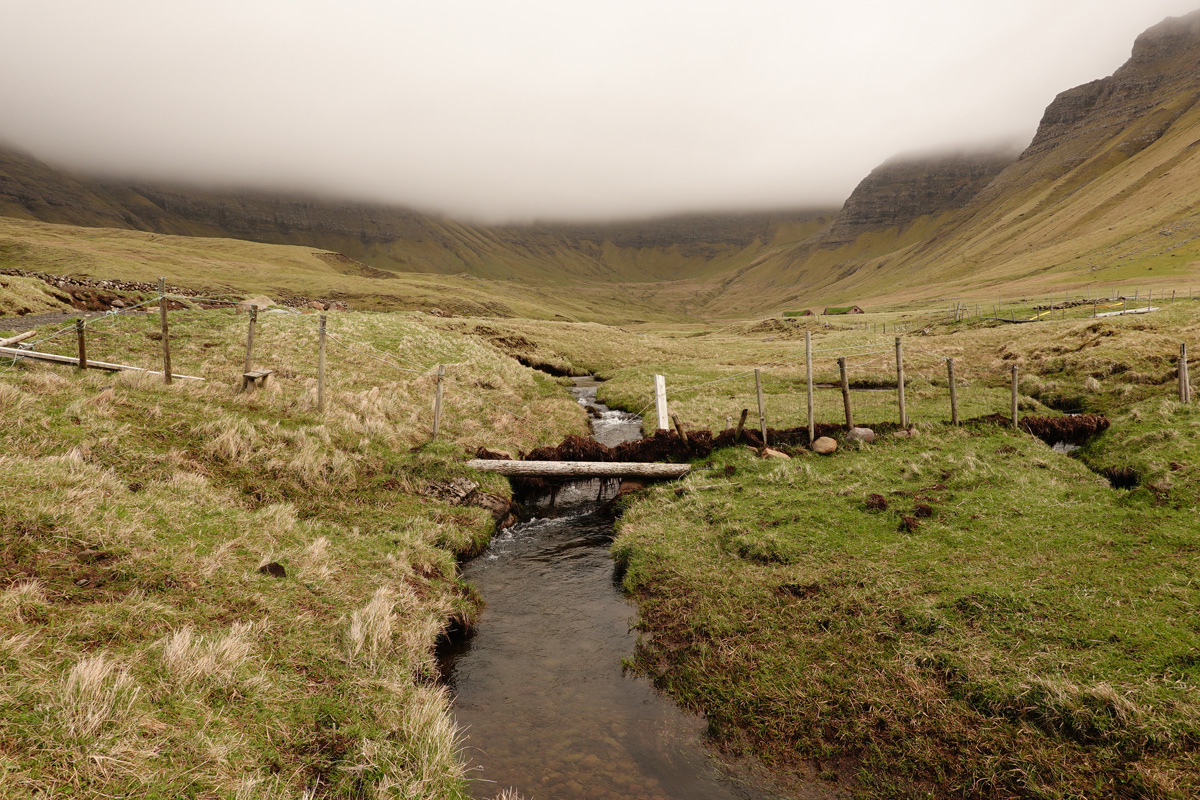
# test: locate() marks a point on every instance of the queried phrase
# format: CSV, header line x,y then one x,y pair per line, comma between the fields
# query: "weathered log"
x,y
579,469
20,337
11,352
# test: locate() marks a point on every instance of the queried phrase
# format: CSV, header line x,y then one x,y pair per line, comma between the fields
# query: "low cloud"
x,y
510,111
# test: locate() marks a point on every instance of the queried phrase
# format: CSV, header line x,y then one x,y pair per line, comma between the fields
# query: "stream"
x,y
541,695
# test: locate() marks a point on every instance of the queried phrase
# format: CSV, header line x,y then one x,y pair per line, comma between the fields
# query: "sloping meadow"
x,y
213,594
964,613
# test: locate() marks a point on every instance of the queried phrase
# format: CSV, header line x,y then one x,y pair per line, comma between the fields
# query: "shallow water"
x,y
540,692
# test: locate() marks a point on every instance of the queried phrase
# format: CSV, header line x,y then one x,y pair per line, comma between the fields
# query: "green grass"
x,y
143,654
1030,635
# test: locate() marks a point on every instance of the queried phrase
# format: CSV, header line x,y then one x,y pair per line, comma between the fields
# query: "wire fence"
x,y
885,359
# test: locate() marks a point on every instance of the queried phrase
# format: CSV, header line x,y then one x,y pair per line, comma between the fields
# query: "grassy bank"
x,y
961,614
147,648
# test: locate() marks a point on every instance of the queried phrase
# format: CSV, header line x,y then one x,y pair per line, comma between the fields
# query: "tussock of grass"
x,y
143,653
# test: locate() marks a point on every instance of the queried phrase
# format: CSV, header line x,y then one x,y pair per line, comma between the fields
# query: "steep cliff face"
x,y
906,189
1102,123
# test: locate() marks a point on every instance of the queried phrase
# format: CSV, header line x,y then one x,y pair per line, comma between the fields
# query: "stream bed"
x,y
541,694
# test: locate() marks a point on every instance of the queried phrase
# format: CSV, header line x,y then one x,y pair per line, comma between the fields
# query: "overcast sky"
x,y
543,108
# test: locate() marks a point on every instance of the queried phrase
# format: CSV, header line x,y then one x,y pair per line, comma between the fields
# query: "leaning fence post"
x,y
82,344
1185,388
249,363
660,401
900,382
737,435
846,392
166,333
812,425
762,408
1014,395
321,364
953,391
437,401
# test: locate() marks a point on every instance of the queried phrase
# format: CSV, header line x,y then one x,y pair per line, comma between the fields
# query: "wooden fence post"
x,y
737,435
82,344
1014,396
249,363
812,424
846,392
900,382
679,428
1185,387
762,408
437,400
660,402
166,333
321,365
953,392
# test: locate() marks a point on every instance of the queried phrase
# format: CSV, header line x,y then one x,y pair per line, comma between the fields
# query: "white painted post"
x,y
1185,388
660,402
321,365
812,425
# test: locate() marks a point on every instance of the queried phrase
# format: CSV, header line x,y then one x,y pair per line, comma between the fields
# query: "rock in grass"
x,y
824,446
905,434
771,452
274,569
860,435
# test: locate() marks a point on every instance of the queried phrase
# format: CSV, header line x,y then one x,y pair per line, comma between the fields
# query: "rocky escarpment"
x,y
905,189
1109,120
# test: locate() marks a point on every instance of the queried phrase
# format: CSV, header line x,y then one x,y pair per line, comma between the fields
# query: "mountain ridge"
x,y
1105,189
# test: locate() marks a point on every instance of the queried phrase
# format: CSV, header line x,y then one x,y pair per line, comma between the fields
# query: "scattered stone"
x,y
905,434
877,502
274,569
771,452
592,411
824,446
860,435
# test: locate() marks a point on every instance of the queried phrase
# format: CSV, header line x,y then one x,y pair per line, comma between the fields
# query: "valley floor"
x,y
1004,623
